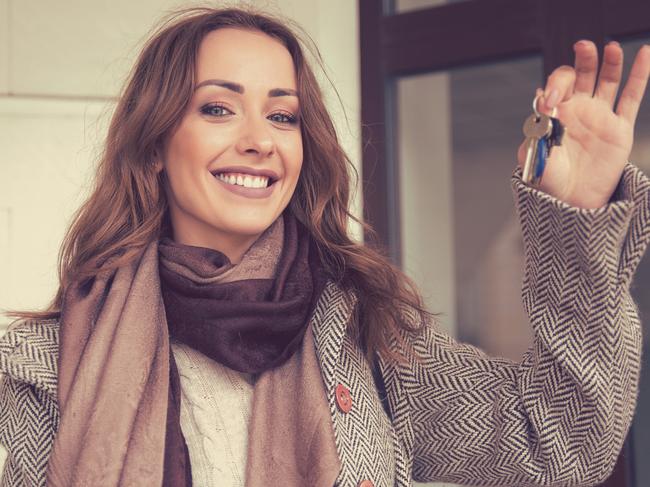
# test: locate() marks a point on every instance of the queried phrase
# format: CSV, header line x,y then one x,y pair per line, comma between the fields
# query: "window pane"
x,y
458,134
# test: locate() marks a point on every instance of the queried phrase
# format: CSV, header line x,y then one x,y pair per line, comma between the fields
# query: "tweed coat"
x,y
557,417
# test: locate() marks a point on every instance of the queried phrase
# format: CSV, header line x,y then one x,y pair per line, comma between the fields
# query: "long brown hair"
x,y
127,208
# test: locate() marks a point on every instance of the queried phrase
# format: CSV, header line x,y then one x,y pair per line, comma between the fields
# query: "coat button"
x,y
366,483
343,398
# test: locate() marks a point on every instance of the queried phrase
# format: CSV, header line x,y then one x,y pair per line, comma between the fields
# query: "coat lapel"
x,y
329,323
361,433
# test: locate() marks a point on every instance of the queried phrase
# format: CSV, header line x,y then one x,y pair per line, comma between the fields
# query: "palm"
x,y
592,156
585,170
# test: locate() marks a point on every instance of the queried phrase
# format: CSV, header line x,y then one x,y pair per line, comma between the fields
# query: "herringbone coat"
x,y
557,417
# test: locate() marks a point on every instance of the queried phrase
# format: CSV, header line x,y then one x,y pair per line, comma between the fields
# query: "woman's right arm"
x,y
560,416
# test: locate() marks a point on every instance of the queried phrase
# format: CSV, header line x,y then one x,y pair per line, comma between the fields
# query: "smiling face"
x,y
243,118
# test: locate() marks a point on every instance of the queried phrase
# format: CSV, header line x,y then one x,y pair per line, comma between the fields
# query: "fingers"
x,y
581,79
586,66
628,104
559,87
610,73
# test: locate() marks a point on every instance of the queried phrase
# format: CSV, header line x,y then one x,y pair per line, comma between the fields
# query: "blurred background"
x,y
440,88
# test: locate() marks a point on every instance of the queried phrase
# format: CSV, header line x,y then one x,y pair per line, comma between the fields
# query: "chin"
x,y
247,227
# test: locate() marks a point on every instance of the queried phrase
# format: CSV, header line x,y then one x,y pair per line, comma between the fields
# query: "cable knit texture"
x,y
215,411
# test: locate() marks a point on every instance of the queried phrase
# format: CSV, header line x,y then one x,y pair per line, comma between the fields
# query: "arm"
x,y
11,472
28,409
3,449
560,416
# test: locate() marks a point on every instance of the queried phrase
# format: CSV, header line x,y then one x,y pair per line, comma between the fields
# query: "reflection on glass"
x,y
489,104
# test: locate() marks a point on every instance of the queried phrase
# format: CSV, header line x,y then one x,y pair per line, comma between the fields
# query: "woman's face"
x,y
234,160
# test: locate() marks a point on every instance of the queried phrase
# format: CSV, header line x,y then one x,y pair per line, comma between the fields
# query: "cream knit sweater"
x,y
215,411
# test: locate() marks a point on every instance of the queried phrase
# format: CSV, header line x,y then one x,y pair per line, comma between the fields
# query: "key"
x,y
557,133
537,127
543,149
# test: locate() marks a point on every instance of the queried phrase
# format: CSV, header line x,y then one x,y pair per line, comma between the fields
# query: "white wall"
x,y
61,66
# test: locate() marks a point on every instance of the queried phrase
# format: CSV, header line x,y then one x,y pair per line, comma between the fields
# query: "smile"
x,y
245,186
245,180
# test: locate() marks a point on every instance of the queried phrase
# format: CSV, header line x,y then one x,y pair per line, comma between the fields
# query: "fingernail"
x,y
552,98
581,42
613,43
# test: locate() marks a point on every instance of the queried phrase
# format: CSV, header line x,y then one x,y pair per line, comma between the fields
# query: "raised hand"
x,y
585,170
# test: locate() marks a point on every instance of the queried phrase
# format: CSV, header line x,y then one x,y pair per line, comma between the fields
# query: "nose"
x,y
255,138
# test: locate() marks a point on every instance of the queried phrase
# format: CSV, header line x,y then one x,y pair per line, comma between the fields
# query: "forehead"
x,y
249,57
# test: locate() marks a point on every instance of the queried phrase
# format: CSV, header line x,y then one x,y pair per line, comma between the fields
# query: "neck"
x,y
191,232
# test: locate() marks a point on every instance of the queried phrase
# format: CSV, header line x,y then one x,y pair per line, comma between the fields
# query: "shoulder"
x,y
29,352
28,407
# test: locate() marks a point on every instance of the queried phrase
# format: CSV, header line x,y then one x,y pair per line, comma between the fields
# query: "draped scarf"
x,y
118,385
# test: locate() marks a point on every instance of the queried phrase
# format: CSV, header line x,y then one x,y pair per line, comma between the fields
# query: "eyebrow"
x,y
237,88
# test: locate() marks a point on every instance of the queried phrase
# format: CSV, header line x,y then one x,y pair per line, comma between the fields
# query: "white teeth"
x,y
245,180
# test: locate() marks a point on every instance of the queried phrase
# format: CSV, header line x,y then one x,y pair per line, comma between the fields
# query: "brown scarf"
x,y
118,382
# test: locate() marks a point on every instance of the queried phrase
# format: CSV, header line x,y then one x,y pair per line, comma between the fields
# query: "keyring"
x,y
537,112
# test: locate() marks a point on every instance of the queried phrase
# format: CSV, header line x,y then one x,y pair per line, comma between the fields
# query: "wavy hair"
x,y
127,207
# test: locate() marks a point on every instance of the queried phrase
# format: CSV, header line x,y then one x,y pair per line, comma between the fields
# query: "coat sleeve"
x,y
3,450
28,423
11,472
560,416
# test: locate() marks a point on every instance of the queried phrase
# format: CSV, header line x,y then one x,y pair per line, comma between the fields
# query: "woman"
x,y
215,325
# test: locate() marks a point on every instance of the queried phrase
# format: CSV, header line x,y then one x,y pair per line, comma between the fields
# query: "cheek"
x,y
186,147
196,142
293,156
185,153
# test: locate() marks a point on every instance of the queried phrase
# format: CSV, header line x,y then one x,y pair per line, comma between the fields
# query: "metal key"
x,y
558,132
537,127
546,145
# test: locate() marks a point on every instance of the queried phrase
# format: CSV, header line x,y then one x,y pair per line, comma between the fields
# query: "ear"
x,y
157,162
